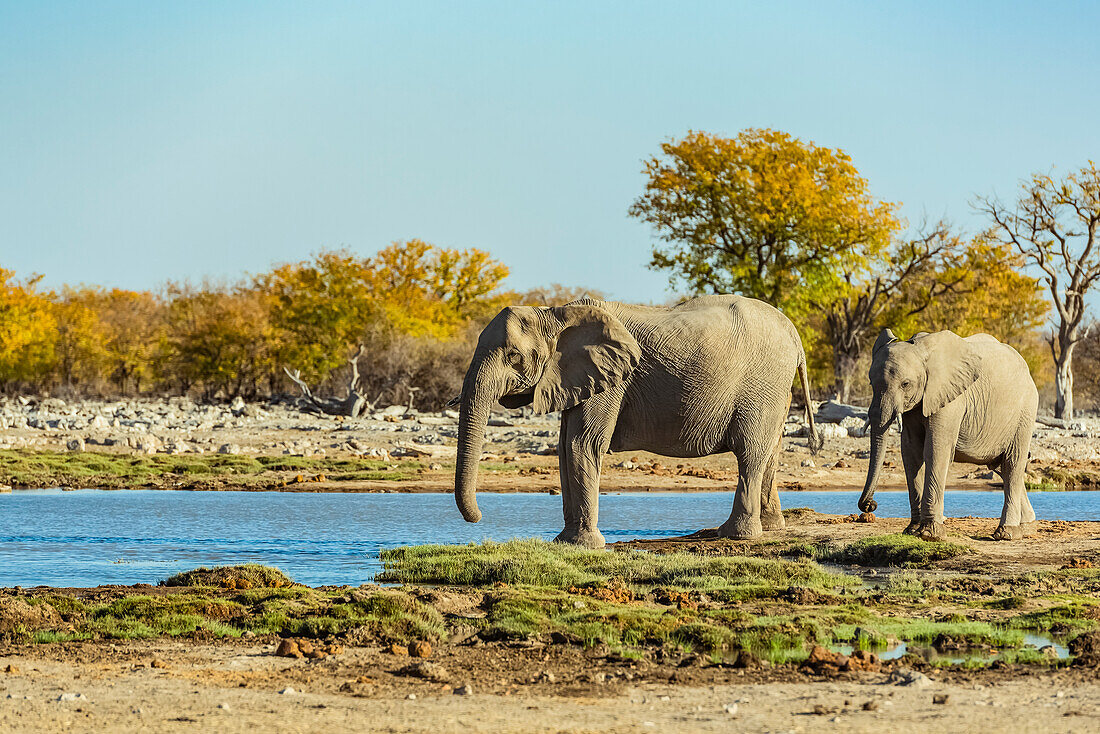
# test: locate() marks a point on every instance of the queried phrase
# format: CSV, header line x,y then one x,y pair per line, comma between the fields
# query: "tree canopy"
x,y
763,214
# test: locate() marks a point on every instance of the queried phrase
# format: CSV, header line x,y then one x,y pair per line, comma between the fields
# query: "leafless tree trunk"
x,y
352,405
1054,225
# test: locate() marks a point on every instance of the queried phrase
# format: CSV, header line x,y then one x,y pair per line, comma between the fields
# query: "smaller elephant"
x,y
970,400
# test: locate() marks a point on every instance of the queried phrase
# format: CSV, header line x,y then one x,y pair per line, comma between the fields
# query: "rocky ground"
x,y
521,446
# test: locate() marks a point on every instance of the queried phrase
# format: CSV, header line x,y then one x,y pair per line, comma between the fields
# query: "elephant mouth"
x,y
518,400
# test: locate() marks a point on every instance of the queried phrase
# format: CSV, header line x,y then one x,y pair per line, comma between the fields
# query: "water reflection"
x,y
1037,641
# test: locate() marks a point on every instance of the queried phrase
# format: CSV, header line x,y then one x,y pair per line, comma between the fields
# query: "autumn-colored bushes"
x,y
415,307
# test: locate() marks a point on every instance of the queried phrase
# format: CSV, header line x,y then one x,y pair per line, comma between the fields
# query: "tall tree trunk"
x,y
844,369
1063,382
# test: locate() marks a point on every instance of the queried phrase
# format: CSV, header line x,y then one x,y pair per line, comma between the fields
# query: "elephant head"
x,y
929,370
549,358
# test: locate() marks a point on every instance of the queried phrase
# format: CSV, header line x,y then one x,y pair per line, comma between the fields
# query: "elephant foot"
x,y
1008,532
929,530
584,537
746,528
911,528
773,522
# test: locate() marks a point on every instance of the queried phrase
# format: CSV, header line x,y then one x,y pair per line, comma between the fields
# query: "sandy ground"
x,y
244,689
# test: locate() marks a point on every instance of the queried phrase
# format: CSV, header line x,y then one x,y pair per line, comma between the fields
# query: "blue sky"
x,y
146,141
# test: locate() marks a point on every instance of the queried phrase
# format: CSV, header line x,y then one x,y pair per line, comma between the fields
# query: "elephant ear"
x,y
952,365
592,353
885,337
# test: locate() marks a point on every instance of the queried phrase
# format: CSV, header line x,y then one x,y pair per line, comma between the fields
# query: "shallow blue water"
x,y
91,537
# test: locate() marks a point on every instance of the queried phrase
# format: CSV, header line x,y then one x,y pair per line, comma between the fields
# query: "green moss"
x,y
247,576
895,550
1073,616
1008,602
537,563
35,468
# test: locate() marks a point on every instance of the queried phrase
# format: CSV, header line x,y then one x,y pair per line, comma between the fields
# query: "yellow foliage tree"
x,y
763,215
28,331
81,341
136,325
220,339
322,308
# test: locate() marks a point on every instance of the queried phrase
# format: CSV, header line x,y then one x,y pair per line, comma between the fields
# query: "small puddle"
x,y
954,657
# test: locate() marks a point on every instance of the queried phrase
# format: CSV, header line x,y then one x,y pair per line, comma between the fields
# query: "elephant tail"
x,y
817,441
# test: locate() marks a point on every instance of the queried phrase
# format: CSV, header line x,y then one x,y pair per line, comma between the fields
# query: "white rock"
x,y
72,697
832,430
808,462
229,448
288,691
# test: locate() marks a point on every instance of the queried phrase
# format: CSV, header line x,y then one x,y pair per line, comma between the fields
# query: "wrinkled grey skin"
x,y
712,374
970,400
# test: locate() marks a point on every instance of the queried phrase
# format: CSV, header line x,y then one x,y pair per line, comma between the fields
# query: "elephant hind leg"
x,y
1017,512
771,514
744,521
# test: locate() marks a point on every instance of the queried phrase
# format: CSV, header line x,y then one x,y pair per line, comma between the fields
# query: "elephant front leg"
x,y
568,503
912,459
939,450
582,445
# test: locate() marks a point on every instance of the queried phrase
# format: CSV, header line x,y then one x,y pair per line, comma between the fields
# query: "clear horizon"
x,y
146,142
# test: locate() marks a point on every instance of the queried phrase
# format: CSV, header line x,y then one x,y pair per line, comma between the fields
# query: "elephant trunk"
x,y
479,390
878,452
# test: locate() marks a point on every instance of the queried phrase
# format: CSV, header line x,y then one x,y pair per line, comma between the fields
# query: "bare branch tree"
x,y
850,318
352,405
1054,226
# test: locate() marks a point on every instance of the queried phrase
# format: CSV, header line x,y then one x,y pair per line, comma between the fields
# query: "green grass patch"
x,y
899,550
35,468
247,576
1043,487
552,565
1076,616
1061,479
228,601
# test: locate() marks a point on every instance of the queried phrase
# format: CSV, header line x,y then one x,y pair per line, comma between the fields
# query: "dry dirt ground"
x,y
184,687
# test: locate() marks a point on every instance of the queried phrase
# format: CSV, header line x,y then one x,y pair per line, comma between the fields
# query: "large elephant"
x,y
970,400
712,374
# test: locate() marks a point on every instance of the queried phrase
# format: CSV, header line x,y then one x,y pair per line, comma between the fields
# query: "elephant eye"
x,y
515,358
905,383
